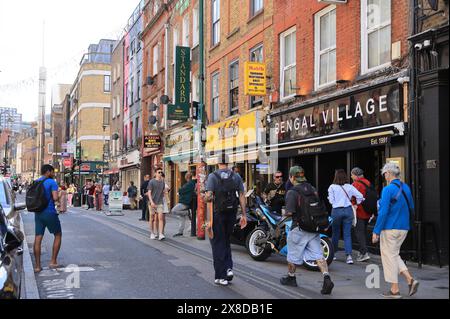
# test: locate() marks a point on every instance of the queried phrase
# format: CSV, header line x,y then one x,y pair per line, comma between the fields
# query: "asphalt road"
x,y
114,257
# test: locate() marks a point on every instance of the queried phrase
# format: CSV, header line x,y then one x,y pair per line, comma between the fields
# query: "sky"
x,y
70,26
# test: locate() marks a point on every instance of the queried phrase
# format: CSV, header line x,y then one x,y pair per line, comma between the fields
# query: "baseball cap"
x,y
296,171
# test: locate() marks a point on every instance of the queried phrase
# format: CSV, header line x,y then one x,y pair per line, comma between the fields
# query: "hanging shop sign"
x,y
67,162
130,159
255,79
179,145
372,108
180,109
152,141
236,133
92,167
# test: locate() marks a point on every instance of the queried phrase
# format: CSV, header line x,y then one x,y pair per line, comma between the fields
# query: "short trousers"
x,y
47,220
302,246
159,209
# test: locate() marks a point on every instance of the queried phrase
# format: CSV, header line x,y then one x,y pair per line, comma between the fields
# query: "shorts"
x,y
159,209
47,220
302,246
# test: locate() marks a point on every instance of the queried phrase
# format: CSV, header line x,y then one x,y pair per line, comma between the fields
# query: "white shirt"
x,y
338,198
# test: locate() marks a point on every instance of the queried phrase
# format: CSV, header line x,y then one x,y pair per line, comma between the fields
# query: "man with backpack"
x,y
364,211
309,215
40,199
226,189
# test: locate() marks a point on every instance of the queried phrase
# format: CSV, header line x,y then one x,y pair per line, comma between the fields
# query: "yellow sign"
x,y
233,133
255,79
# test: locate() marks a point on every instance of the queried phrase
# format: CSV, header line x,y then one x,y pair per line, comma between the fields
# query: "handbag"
x,y
354,208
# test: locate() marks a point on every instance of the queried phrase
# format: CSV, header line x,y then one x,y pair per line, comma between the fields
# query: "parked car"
x,y
11,243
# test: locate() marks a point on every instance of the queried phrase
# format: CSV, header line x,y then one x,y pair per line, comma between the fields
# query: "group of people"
x,y
95,195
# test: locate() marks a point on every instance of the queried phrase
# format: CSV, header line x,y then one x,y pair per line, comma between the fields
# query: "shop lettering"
x,y
230,129
333,115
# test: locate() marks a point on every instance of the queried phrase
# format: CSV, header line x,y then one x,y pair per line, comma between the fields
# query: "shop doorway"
x,y
328,163
370,160
308,163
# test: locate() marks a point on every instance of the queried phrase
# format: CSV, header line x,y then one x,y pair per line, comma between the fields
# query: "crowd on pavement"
x,y
352,208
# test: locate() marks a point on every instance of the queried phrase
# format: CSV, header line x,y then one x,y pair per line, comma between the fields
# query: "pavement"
x,y
113,257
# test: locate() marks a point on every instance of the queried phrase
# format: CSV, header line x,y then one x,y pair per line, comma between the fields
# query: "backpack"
x,y
312,214
35,199
370,199
226,199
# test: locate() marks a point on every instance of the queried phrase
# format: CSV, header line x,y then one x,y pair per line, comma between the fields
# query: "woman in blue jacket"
x,y
391,229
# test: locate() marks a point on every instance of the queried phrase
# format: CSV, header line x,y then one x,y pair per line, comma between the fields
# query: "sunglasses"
x,y
159,172
280,176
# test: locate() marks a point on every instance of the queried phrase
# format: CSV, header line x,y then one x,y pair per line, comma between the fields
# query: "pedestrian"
x,y
226,190
340,195
143,190
106,189
392,226
303,240
70,192
62,199
185,195
361,184
156,191
275,192
48,218
166,204
91,194
132,195
98,196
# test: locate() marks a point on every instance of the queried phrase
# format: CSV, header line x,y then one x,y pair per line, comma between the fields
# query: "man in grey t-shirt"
x,y
156,191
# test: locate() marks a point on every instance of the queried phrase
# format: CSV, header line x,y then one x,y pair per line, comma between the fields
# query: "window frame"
x,y
195,27
235,110
365,40
155,59
185,30
256,99
318,53
253,12
283,67
106,89
215,23
215,117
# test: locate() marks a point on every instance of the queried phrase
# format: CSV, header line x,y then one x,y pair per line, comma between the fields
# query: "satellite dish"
x,y
153,107
164,99
152,119
115,136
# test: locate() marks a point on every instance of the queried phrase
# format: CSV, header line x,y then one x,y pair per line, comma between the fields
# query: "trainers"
x,y
363,257
328,286
389,294
152,236
349,260
178,234
413,287
289,281
230,275
162,237
221,282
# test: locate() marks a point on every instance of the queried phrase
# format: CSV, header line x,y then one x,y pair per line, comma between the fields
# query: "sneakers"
x,y
349,260
152,236
221,282
413,287
289,281
230,274
390,295
162,237
362,257
328,286
178,235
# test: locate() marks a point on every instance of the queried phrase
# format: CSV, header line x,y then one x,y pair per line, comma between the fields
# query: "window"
x,y
137,126
256,6
288,63
155,59
138,95
234,88
131,91
113,107
133,47
325,47
175,43
215,22
131,133
186,30
215,97
125,137
195,88
155,7
256,55
50,148
195,27
118,106
107,83
106,115
375,34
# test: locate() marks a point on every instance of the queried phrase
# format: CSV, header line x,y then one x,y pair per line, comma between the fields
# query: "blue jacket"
x,y
394,214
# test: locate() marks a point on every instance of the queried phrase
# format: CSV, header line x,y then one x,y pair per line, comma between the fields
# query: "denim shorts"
x,y
47,220
302,246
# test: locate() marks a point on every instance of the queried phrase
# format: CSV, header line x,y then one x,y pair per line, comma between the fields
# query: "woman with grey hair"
x,y
391,229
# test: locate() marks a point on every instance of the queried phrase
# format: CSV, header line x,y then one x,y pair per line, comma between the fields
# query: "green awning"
x,y
181,157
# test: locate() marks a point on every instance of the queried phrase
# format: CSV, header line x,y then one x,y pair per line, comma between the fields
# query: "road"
x,y
115,258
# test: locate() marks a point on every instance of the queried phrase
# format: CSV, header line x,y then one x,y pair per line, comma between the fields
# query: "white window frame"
x,y
185,32
215,117
195,27
365,40
106,89
253,11
285,67
318,52
155,56
175,37
215,22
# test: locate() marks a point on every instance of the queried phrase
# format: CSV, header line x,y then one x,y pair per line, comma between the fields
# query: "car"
x,y
11,243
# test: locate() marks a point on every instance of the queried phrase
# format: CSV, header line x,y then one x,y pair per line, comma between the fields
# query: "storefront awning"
x,y
181,157
240,157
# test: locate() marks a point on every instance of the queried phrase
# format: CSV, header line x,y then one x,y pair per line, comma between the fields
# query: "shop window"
x,y
288,66
234,88
325,47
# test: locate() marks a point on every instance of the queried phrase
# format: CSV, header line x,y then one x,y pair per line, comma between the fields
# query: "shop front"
x,y
130,169
88,171
180,157
243,139
364,128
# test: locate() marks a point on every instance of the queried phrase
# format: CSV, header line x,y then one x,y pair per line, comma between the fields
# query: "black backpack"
x,y
226,199
312,214
370,199
35,199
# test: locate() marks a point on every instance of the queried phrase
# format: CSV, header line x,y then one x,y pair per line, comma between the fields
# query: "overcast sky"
x,y
70,26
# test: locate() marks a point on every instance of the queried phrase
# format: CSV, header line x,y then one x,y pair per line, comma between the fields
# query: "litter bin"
x,y
76,200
